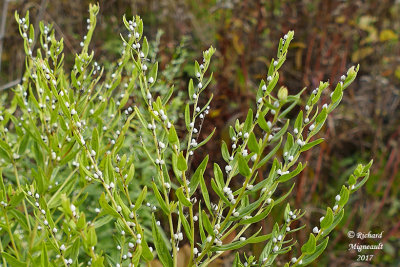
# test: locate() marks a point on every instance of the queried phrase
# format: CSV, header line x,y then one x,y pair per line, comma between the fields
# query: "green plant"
x,y
67,145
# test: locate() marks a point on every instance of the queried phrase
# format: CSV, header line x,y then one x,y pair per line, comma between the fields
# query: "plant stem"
x,y
10,234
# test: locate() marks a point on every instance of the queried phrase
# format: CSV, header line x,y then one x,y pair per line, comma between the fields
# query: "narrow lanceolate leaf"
x,y
328,219
336,95
225,151
187,116
95,140
219,192
269,155
106,207
140,199
204,192
336,220
191,89
12,260
207,139
282,198
311,144
253,144
197,176
309,246
145,47
207,224
255,238
344,196
248,122
243,167
258,217
201,228
161,247
181,164
160,200
219,176
286,177
44,259
185,223
172,136
299,121
318,251
182,198
153,71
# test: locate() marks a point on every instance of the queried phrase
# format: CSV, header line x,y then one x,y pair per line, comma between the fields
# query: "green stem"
x,y
10,234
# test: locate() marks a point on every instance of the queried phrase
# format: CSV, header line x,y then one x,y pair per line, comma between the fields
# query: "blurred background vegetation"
x,y
330,36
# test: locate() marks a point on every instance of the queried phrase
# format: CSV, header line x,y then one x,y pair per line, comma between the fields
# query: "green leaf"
x,y
92,237
44,259
160,200
255,238
363,181
243,167
219,192
23,144
269,155
249,121
187,116
225,151
299,121
258,217
182,198
75,250
16,199
201,229
145,47
95,141
219,176
181,164
336,95
185,224
191,89
172,136
131,173
20,217
321,116
204,192
327,220
207,139
136,255
292,174
280,132
263,123
207,223
106,207
168,95
12,260
39,179
282,198
161,247
336,221
344,196
309,247
253,144
197,67
311,144
318,251
275,79
197,176
140,199
147,254
153,71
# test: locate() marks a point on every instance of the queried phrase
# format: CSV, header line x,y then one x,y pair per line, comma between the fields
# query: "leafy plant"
x,y
67,145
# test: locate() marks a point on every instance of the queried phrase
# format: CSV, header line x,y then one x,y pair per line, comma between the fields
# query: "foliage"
x,y
74,139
